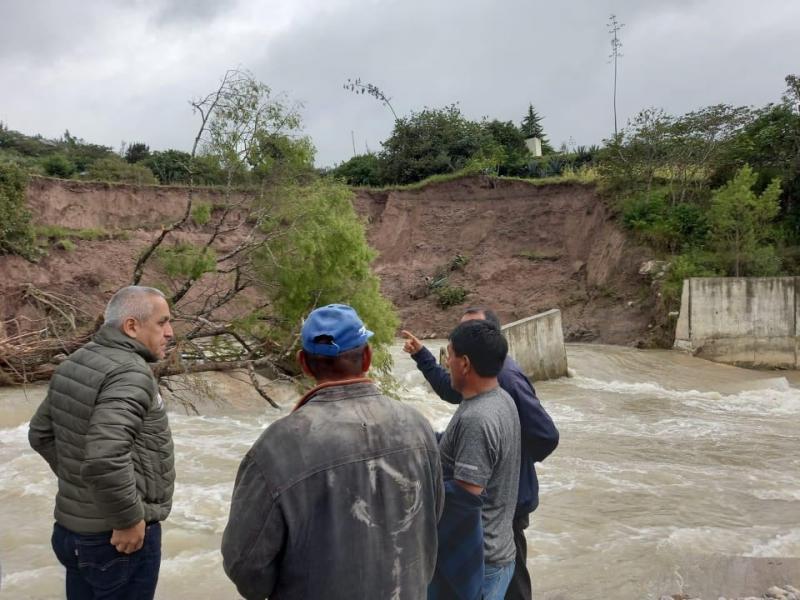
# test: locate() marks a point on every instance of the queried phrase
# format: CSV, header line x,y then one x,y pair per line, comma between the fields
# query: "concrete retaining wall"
x,y
748,321
537,344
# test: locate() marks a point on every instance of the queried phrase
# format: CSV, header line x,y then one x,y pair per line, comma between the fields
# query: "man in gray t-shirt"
x,y
480,449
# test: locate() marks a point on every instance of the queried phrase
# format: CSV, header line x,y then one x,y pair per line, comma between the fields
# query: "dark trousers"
x,y
96,571
520,586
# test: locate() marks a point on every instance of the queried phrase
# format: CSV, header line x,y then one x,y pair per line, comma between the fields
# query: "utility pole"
x,y
614,27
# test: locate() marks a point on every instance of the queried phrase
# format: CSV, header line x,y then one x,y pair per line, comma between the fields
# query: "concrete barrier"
x,y
746,321
537,344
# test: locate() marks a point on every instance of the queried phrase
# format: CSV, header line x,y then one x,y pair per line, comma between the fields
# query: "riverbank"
x,y
520,248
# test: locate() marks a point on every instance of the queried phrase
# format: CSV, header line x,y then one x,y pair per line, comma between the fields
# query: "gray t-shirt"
x,y
481,446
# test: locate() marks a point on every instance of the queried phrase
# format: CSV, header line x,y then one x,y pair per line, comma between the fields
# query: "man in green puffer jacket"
x,y
103,430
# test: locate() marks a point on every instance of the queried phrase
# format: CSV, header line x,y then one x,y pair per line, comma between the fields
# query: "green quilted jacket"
x,y
103,430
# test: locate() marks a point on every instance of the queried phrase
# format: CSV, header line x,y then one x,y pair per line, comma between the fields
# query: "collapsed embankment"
x,y
525,249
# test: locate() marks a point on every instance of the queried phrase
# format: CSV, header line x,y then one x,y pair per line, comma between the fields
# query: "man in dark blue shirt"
x,y
539,436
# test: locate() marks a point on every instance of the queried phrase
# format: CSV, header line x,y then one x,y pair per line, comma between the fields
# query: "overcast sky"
x,y
124,70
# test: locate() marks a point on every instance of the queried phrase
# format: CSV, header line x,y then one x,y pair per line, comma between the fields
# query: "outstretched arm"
x,y
436,376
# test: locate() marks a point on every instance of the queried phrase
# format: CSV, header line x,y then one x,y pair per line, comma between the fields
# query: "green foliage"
x,y
58,165
66,244
201,213
16,233
55,232
430,142
447,296
361,170
511,154
170,166
184,260
114,169
531,126
741,225
254,135
458,262
136,152
692,264
321,259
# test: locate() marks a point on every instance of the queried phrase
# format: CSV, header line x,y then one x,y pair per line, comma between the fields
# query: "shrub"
x,y
117,170
58,165
201,213
447,296
16,232
364,169
187,260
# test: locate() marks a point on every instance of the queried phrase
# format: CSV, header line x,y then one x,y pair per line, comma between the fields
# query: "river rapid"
x,y
673,474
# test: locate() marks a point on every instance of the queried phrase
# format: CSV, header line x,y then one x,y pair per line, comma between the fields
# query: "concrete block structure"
x,y
745,321
537,344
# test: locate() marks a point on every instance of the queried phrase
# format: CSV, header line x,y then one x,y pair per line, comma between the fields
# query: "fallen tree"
x,y
237,305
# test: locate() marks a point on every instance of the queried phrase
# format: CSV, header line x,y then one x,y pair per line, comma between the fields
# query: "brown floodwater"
x,y
669,469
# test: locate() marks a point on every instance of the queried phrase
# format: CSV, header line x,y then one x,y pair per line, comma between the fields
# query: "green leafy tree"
x,y
115,169
514,155
58,165
531,126
429,142
136,152
741,224
255,134
16,232
363,169
323,258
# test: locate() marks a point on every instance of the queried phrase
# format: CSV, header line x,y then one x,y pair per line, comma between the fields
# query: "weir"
x,y
537,344
745,321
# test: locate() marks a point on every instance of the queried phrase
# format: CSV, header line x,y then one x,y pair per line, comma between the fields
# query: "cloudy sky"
x,y
124,70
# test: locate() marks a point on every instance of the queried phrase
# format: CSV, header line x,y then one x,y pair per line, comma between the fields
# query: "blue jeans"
x,y
96,571
496,579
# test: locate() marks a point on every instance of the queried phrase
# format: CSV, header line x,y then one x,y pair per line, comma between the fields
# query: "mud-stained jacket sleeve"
x,y
255,534
436,375
539,433
41,436
108,469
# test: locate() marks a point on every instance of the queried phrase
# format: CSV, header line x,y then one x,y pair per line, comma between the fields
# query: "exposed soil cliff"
x,y
527,249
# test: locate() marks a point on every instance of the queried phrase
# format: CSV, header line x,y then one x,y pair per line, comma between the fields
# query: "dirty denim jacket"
x,y
339,499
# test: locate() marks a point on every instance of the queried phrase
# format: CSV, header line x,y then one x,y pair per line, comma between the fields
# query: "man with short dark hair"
x,y
339,499
103,430
480,448
539,436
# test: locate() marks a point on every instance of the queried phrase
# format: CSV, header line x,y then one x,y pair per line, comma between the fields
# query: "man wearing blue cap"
x,y
339,499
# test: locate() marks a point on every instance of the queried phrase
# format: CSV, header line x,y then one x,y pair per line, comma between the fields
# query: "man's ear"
x,y
366,359
466,366
301,358
130,327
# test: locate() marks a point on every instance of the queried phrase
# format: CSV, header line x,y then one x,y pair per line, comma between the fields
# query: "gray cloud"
x,y
126,71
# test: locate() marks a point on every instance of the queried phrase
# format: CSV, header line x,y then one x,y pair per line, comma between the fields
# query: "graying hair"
x,y
129,302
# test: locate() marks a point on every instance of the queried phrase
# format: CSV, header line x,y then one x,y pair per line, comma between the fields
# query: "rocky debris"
x,y
784,592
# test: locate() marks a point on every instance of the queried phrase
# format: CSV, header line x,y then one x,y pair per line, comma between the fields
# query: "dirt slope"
x,y
529,249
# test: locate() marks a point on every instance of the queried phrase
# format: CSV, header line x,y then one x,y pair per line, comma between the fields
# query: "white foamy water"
x,y
665,460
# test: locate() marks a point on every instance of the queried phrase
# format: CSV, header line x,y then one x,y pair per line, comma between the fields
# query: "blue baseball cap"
x,y
338,322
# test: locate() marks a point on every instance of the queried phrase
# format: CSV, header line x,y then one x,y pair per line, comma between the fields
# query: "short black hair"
x,y
348,364
483,343
488,314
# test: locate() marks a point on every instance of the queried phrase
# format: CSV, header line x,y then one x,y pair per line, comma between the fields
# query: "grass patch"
x,y
583,176
56,233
